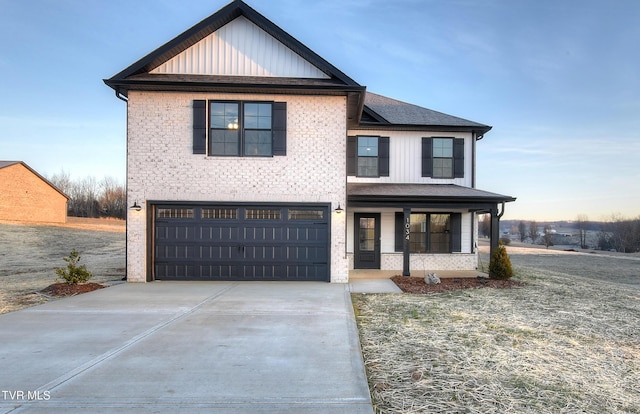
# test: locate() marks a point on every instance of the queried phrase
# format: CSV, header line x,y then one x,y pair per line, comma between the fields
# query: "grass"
x,y
560,344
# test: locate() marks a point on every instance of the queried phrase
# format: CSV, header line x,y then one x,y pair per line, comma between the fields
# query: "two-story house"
x,y
250,157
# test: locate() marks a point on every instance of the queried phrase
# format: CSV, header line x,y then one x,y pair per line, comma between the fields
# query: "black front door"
x,y
367,241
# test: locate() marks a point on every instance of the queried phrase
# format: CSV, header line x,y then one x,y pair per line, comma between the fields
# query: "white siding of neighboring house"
x,y
162,166
405,161
240,48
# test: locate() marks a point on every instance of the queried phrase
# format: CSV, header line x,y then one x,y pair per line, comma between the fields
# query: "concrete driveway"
x,y
186,347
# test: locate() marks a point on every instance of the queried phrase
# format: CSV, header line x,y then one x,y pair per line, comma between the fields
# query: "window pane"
x,y
257,143
367,234
367,146
443,168
439,237
257,116
443,147
306,214
367,166
224,115
225,142
263,214
418,235
175,213
220,213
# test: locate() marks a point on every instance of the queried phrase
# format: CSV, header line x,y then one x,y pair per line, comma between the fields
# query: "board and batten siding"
x,y
405,162
240,48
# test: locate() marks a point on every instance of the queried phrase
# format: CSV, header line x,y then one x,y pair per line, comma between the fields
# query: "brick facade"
x,y
27,197
161,165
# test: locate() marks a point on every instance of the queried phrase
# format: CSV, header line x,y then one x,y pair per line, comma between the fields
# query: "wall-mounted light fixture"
x,y
339,209
135,206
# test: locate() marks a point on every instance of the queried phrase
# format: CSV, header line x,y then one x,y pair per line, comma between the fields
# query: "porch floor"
x,y
386,274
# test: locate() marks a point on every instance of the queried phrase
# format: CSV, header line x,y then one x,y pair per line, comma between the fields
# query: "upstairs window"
x,y
239,129
368,157
442,157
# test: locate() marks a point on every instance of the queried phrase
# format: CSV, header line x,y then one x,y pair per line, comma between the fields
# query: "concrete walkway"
x,y
192,347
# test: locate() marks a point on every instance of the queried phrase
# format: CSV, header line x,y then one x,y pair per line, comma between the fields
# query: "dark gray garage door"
x,y
241,242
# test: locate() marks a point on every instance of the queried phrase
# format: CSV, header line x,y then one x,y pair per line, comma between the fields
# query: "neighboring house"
x,y
27,196
253,158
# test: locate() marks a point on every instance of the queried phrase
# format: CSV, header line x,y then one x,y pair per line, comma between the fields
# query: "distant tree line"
x,y
89,197
617,233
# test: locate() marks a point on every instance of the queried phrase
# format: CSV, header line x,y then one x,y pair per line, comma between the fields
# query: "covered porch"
x,y
405,198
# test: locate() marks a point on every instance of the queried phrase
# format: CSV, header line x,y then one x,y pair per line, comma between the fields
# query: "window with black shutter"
x,y
430,232
368,156
239,129
443,157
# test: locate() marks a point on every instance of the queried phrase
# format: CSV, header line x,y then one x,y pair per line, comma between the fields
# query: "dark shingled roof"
x,y
401,113
430,192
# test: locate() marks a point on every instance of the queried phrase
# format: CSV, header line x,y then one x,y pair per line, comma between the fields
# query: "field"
x,y
568,342
29,254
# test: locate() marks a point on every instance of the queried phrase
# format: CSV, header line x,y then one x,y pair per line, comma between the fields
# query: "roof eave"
x,y
479,130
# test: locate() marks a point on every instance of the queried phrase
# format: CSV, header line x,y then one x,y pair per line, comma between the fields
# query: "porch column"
x,y
406,246
495,231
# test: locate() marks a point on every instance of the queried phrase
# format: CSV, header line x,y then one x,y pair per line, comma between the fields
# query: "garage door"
x,y
241,242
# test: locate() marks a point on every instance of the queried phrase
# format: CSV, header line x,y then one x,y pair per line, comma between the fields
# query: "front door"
x,y
367,242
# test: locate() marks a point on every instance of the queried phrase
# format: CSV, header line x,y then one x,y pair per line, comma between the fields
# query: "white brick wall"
x,y
161,165
429,262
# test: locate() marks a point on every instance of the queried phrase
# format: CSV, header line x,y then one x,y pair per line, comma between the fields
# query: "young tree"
x,y
548,236
522,230
583,225
533,231
485,225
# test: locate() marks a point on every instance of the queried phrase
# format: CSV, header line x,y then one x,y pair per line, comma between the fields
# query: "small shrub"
x,y
505,240
500,264
73,273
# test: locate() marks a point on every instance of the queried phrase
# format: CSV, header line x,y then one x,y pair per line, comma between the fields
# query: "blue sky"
x,y
559,81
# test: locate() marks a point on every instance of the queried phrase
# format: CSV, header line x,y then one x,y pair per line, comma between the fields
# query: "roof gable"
x,y
240,48
5,164
182,43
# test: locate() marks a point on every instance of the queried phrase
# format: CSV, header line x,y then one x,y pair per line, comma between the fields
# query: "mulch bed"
x,y
66,289
418,285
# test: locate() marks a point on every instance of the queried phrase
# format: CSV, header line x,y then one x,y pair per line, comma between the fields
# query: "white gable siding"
x,y
240,48
405,158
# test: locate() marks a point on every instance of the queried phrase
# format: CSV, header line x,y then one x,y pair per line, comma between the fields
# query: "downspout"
x,y
121,96
502,213
473,160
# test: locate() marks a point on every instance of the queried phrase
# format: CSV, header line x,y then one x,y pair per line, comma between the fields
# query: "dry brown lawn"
x,y
567,342
29,254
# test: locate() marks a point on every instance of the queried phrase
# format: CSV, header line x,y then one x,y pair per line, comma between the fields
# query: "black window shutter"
x,y
399,244
458,158
456,232
352,146
427,157
279,128
199,127
383,156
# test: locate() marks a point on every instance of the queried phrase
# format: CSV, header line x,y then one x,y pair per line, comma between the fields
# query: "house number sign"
x,y
407,228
